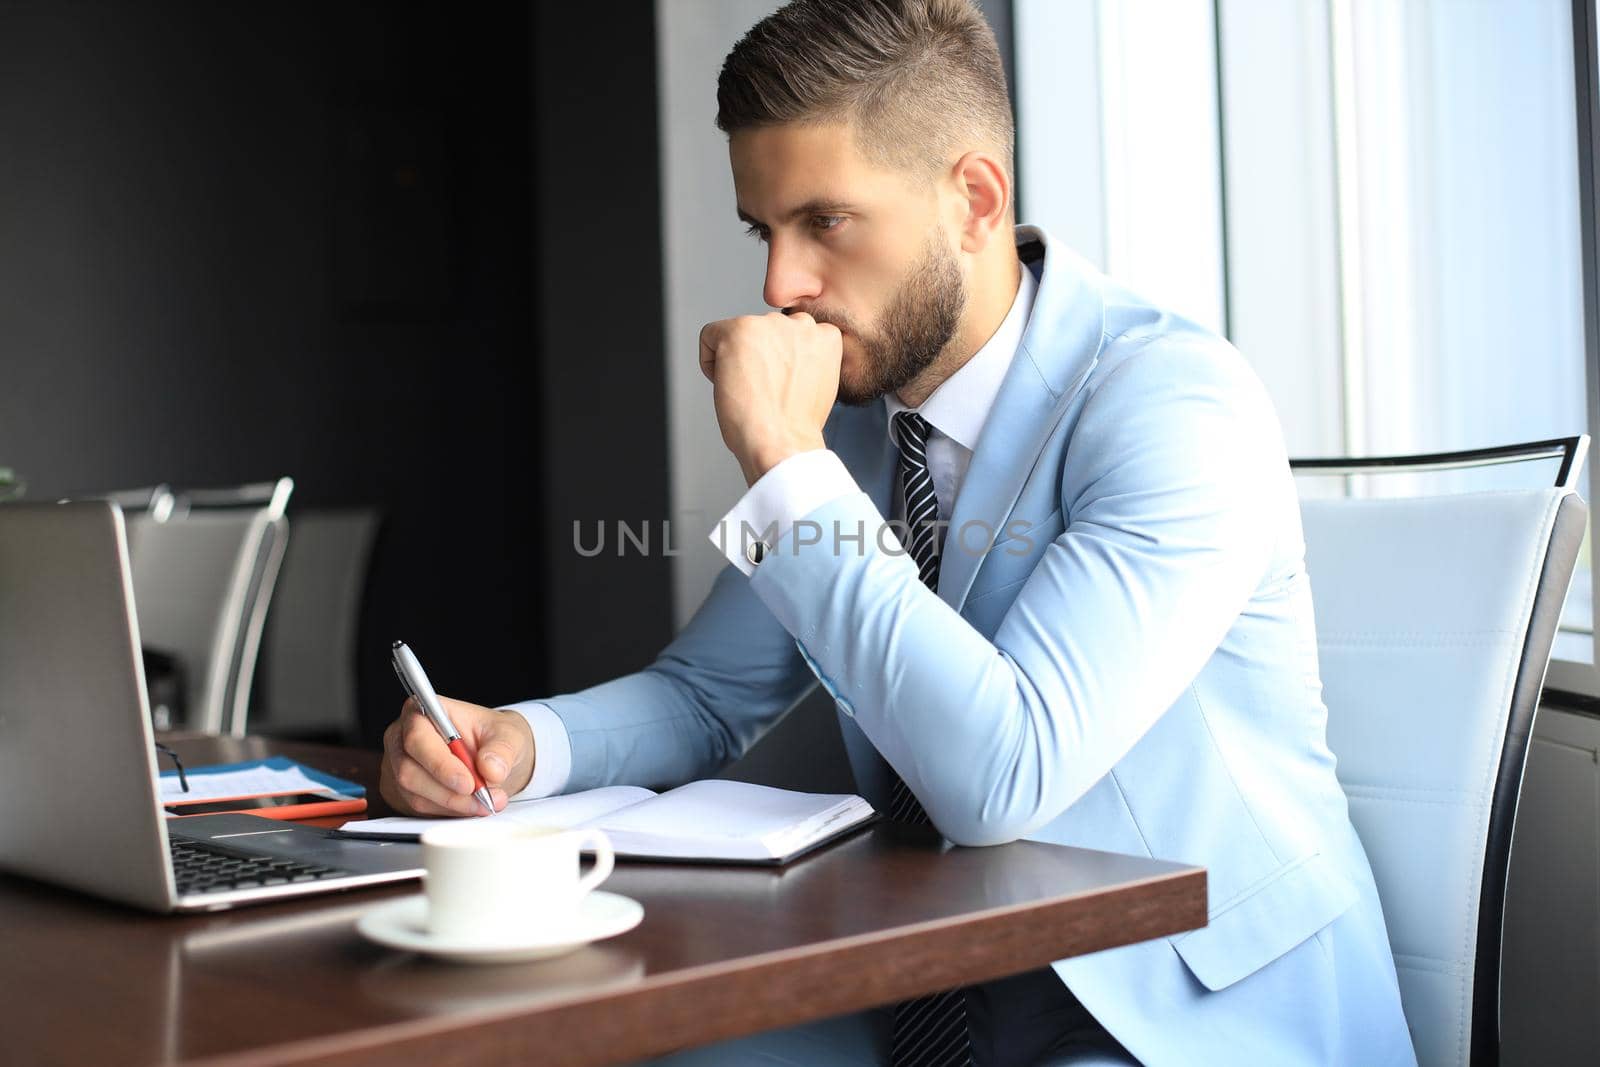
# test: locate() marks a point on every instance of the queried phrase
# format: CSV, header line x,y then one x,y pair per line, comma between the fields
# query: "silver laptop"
x,y
78,776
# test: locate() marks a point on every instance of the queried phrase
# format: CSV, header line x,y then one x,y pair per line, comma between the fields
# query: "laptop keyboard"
x,y
201,867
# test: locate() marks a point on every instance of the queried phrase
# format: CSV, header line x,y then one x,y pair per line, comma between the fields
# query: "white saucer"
x,y
403,924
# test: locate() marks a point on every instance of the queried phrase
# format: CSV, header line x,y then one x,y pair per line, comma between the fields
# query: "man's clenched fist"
x,y
774,379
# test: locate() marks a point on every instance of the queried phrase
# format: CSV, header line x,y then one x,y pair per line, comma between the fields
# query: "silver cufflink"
x,y
755,552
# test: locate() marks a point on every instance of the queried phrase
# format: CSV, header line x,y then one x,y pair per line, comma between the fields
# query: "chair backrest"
x,y
203,577
158,500
264,569
308,660
1435,617
273,496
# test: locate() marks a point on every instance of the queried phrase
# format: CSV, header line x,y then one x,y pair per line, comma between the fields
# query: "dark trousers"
x,y
1030,1020
1018,1021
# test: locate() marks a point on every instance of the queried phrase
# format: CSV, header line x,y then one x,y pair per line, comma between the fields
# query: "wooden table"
x,y
721,952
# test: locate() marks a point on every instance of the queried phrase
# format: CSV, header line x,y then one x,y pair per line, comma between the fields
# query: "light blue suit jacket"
x,y
1132,666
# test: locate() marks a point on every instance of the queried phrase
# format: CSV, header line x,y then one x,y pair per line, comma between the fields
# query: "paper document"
x,y
276,775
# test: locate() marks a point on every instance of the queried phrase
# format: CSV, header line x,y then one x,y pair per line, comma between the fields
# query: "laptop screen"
x,y
77,769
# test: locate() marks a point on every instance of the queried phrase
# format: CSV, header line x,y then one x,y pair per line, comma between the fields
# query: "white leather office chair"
x,y
204,567
1435,617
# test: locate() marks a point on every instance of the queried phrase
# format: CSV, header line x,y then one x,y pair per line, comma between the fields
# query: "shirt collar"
x,y
960,406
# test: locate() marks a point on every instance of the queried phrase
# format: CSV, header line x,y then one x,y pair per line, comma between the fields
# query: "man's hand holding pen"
x,y
421,776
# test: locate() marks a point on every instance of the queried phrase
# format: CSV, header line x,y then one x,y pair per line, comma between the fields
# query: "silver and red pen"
x,y
416,682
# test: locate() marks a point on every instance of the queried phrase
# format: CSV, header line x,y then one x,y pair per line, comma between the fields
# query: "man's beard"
x,y
917,326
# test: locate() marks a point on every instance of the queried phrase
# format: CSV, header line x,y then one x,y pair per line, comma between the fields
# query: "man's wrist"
x,y
551,757
766,456
522,773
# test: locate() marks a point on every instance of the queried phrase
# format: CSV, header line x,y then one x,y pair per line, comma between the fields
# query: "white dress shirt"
x,y
956,411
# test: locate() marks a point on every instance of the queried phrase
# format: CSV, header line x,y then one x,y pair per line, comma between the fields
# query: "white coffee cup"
x,y
495,881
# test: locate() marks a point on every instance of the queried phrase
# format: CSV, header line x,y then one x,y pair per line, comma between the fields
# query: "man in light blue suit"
x,y
1036,537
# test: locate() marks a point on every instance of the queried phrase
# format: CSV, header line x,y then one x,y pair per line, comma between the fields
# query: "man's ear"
x,y
984,191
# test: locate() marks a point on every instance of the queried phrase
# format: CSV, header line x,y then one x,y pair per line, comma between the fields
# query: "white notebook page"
x,y
561,812
709,820
715,808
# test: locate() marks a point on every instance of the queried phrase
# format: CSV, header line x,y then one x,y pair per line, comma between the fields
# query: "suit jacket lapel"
x,y
1059,348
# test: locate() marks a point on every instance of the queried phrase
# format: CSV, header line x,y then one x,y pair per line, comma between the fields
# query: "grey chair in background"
x,y
308,656
155,500
204,564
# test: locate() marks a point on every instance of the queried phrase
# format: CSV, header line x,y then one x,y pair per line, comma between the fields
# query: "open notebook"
x,y
711,821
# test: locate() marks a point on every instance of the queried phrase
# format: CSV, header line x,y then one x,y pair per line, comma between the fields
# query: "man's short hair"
x,y
920,80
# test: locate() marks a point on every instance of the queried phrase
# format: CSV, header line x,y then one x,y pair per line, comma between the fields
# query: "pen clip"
x,y
394,665
405,683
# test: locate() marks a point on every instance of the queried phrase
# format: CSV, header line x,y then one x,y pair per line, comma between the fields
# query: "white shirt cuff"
x,y
552,750
790,491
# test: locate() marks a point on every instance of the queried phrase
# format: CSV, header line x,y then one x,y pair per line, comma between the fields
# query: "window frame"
x,y
1569,683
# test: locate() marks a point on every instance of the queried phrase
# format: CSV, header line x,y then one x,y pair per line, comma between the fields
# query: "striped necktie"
x,y
922,506
930,1031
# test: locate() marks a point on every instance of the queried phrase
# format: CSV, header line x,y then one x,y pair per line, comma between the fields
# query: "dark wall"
x,y
604,373
239,241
